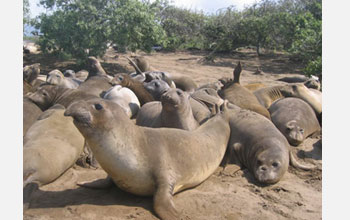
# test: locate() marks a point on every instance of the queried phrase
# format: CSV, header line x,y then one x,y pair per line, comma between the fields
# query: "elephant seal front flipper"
x,y
98,183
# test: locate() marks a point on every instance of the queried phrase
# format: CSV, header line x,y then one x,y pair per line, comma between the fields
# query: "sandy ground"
x,y
228,194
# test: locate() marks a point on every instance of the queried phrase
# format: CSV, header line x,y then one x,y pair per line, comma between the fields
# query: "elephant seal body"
x,y
254,86
51,146
95,85
31,112
156,161
174,111
82,75
125,98
294,118
56,77
49,95
31,72
265,154
241,96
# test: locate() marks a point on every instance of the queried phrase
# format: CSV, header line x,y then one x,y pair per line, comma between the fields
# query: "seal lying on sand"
x,y
241,96
294,118
257,144
56,77
156,161
51,146
48,95
174,111
31,112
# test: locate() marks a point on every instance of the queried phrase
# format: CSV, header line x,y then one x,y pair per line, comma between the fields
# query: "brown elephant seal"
x,y
31,72
151,161
94,67
95,85
310,82
49,95
31,112
137,87
82,75
51,146
237,94
208,97
174,111
265,154
294,118
56,77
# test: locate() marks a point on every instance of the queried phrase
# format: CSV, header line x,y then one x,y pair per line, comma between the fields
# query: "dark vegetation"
x,y
78,29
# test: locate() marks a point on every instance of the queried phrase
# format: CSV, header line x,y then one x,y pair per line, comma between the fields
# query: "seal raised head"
x,y
150,161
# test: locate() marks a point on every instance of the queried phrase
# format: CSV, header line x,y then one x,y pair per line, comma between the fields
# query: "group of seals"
x,y
155,161
164,161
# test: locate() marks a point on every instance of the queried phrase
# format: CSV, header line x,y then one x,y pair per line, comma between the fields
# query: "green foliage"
x,y
26,12
314,67
84,28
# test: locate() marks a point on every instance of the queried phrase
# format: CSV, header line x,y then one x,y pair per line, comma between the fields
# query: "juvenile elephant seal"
x,y
31,112
241,96
151,161
31,72
125,98
137,87
294,118
174,111
49,95
51,146
257,144
56,77
95,85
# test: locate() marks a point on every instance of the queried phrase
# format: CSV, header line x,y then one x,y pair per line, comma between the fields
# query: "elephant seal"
x,y
156,88
241,96
49,95
31,112
95,85
265,154
174,111
137,87
294,118
31,72
51,146
94,67
56,77
82,75
151,161
125,98
310,82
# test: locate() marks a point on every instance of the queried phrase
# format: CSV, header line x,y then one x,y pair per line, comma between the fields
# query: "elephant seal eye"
x,y
98,106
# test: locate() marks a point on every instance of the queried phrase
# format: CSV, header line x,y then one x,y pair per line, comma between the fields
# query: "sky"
x,y
208,6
